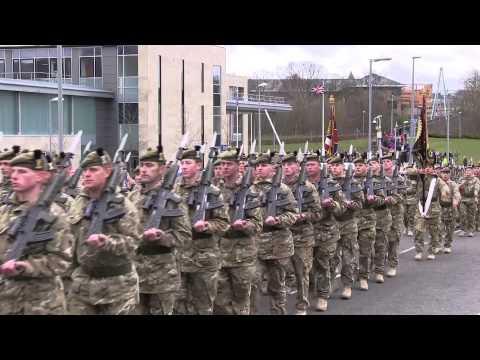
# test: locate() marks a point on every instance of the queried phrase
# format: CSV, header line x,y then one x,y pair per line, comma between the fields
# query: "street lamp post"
x,y
460,124
363,123
412,119
60,96
391,116
370,103
259,86
50,123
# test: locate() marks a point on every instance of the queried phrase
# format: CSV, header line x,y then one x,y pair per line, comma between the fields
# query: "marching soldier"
x,y
238,245
449,200
410,199
6,170
302,230
397,211
347,222
105,279
430,219
156,258
327,231
32,283
275,244
217,173
477,216
469,190
200,258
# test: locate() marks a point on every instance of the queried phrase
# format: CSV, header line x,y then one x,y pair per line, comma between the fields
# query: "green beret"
x,y
264,158
292,157
359,160
374,158
312,157
335,160
388,156
10,154
445,170
34,160
217,162
230,154
154,155
193,154
98,157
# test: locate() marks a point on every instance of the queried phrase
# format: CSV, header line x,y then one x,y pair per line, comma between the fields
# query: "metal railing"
x,y
37,76
261,98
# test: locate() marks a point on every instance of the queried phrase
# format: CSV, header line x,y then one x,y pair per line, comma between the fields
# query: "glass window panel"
x,y
98,50
87,82
8,112
120,50
52,52
35,111
2,68
26,65
131,65
85,117
53,68
86,67
2,53
67,52
131,49
131,82
86,52
217,110
128,113
216,73
42,68
27,53
120,66
216,99
98,66
67,115
216,89
15,53
41,52
67,67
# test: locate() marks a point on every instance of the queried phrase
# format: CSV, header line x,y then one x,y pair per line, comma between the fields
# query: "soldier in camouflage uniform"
x,y
383,223
156,259
32,284
367,219
477,215
217,173
410,200
347,222
238,247
327,232
200,257
449,200
302,230
469,190
5,169
397,212
275,244
105,280
431,221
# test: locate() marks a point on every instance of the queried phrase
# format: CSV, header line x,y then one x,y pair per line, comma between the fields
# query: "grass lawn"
x,y
464,147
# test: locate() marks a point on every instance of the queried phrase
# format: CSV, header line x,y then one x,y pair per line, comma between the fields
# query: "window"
x,y
2,68
91,67
26,69
42,68
217,110
128,113
40,63
127,65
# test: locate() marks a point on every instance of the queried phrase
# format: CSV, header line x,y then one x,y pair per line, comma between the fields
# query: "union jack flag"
x,y
318,90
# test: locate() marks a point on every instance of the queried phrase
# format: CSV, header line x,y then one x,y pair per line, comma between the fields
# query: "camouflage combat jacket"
x,y
411,194
239,248
469,190
5,191
382,209
448,193
348,220
201,252
303,231
105,275
49,260
276,242
397,208
367,217
422,193
156,265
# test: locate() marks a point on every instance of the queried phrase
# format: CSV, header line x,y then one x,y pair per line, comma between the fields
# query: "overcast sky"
x,y
338,60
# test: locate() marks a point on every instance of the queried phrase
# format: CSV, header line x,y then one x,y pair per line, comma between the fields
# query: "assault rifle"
x,y
369,183
71,188
347,185
240,202
302,179
323,185
32,226
159,204
99,211
201,198
273,200
124,182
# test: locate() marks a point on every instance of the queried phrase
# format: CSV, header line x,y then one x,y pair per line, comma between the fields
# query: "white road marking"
x,y
407,250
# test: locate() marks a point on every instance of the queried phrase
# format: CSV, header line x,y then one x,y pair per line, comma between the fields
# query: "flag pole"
x,y
323,116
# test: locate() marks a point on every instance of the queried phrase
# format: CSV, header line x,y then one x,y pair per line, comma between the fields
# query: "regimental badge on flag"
x,y
318,90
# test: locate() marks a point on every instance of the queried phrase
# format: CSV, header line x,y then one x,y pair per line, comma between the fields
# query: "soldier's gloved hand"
x,y
9,268
371,198
349,204
153,234
389,200
272,220
301,217
23,266
201,226
97,240
240,225
327,203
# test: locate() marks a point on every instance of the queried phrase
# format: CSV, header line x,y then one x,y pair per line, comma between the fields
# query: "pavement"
x,y
447,285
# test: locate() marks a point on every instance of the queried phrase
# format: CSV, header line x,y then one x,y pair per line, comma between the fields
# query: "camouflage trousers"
x,y
345,255
323,254
394,237
197,293
156,304
477,219
380,247
430,225
470,212
366,240
447,226
32,297
234,289
302,261
409,216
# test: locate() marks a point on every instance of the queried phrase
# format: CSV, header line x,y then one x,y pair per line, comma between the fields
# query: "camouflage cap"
x,y
374,157
193,154
291,157
337,159
9,154
314,156
230,154
411,171
445,170
154,155
34,160
359,160
264,158
388,156
98,157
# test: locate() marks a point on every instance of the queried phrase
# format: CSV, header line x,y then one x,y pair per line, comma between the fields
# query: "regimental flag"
x,y
318,90
331,140
421,140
